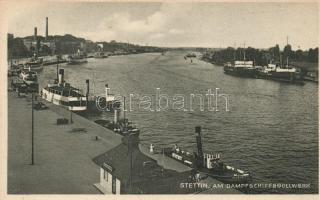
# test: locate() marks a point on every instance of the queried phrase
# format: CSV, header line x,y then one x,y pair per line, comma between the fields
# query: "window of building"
x,y
113,185
105,175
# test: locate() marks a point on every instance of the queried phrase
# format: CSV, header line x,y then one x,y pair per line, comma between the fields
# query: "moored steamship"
x,y
63,94
208,164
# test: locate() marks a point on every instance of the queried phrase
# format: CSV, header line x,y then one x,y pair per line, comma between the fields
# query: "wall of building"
x,y
107,183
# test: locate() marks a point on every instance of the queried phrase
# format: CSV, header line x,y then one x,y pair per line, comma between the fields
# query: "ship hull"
x,y
34,67
288,77
75,62
242,72
63,100
227,176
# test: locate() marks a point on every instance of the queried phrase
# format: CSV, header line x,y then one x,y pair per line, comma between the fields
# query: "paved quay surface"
x,y
63,162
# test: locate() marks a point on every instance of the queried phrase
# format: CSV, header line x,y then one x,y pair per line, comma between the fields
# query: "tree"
x,y
313,55
275,53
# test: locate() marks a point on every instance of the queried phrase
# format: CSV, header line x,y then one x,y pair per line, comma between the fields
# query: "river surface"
x,y
271,128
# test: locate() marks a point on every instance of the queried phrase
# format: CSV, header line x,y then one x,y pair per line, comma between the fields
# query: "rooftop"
x,y
147,176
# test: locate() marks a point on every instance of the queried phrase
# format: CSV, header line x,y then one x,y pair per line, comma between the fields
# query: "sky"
x,y
259,25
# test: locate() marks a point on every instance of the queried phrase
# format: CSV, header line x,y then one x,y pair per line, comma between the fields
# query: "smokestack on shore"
x,y
35,36
47,28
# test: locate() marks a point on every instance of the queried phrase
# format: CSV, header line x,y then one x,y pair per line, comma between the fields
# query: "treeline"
x,y
262,57
68,44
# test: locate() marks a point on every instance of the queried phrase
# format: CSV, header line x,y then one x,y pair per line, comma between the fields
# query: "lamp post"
x,y
130,151
71,121
32,131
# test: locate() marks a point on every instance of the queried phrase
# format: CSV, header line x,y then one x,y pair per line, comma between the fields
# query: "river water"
x,y
270,128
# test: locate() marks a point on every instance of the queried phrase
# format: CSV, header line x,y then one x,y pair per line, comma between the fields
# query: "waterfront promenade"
x,y
63,162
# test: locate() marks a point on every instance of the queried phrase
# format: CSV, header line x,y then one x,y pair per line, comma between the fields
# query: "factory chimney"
x,y
35,34
46,28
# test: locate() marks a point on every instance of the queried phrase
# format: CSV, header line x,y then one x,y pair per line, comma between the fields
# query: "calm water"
x,y
271,128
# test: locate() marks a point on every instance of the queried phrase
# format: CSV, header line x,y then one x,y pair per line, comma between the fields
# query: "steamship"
x,y
99,104
241,68
77,58
34,64
100,54
29,77
209,164
63,94
274,72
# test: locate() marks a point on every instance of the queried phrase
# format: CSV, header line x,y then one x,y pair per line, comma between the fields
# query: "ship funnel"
x,y
61,76
88,89
199,145
107,91
116,116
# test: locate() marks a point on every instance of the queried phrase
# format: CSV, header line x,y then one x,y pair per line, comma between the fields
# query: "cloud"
x,y
175,31
123,26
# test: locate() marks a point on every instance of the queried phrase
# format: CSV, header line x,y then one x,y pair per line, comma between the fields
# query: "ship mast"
x,y
244,51
287,55
235,51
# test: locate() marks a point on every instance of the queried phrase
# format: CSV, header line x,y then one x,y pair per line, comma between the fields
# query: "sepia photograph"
x,y
162,98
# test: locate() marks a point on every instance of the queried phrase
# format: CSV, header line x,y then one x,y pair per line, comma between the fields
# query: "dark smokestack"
x,y
61,76
35,34
88,89
47,28
199,146
87,94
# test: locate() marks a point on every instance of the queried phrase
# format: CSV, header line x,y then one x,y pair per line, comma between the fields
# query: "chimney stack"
x,y
35,34
46,28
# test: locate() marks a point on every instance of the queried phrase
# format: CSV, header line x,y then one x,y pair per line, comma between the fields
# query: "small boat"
x,y
122,126
77,58
208,164
29,77
20,87
119,125
191,55
34,64
100,54
63,94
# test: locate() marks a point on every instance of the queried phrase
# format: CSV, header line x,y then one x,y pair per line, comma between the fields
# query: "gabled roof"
x,y
147,176
143,167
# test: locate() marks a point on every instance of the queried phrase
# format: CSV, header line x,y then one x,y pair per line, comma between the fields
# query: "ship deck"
x,y
65,91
